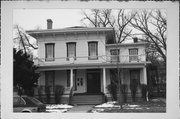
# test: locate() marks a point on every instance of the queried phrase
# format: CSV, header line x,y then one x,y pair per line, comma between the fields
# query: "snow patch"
x,y
133,106
155,100
59,108
97,110
108,104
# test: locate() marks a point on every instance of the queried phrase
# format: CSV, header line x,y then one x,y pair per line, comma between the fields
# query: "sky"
x,y
30,19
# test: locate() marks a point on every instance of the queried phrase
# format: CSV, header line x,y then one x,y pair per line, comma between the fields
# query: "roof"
x,y
126,44
92,65
70,30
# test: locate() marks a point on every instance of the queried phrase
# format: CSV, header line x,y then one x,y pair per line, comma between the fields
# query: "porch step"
x,y
88,99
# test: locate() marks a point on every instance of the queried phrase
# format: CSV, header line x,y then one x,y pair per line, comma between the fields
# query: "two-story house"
x,y
82,58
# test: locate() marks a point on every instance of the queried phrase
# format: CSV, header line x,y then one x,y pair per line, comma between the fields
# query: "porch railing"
x,y
100,59
125,58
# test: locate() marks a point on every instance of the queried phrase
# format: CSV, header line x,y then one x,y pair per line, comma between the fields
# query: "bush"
x,y
48,95
59,91
133,88
144,91
112,88
40,93
124,92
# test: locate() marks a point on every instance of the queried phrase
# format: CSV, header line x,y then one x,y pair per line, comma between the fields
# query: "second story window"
x,y
114,55
133,55
49,49
71,50
93,50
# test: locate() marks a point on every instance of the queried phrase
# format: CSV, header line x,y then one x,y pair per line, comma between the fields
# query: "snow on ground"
x,y
52,106
113,104
97,110
108,104
58,108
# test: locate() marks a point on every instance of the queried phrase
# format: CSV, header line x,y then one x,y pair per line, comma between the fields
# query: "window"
x,y
71,50
49,52
114,55
133,55
93,50
49,80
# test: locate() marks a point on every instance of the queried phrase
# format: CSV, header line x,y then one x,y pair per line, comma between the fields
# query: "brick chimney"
x,y
49,23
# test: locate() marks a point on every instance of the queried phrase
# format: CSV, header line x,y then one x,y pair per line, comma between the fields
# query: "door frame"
x,y
93,71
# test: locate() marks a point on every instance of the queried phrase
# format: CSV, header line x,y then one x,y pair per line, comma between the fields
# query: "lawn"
x,y
156,106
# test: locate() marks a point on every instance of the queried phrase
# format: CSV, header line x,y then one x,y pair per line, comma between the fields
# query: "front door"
x,y
93,82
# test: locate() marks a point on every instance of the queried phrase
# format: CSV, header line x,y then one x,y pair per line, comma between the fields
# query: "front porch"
x,y
87,81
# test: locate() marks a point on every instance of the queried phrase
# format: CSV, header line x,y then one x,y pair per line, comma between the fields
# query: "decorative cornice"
x,y
34,33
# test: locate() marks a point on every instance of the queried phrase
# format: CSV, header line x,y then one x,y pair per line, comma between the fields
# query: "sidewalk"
x,y
80,109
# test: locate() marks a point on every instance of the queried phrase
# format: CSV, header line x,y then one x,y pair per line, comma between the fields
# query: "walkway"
x,y
80,109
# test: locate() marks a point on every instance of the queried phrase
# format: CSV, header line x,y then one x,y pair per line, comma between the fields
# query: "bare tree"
x,y
23,40
153,25
118,19
122,22
92,17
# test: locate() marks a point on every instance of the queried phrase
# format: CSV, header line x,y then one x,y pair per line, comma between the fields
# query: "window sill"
x,y
68,59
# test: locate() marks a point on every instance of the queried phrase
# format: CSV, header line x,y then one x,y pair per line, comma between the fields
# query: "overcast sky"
x,y
30,19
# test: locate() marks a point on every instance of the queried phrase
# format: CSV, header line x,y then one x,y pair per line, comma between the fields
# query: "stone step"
x,y
88,99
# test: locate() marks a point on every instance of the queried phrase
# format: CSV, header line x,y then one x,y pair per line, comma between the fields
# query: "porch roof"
x,y
92,66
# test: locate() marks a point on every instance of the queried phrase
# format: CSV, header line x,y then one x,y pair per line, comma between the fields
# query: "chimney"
x,y
135,39
49,24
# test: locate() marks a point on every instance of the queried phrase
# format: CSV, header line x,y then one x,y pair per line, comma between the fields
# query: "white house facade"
x,y
81,59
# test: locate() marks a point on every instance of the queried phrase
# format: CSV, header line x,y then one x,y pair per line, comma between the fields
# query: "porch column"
x,y
145,75
71,78
104,80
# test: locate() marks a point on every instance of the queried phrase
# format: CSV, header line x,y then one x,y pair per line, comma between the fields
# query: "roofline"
x,y
69,30
93,65
126,44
